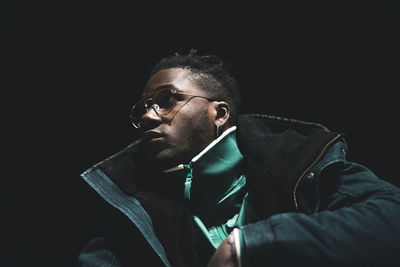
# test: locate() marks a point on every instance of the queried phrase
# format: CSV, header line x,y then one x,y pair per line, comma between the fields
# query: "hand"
x,y
223,256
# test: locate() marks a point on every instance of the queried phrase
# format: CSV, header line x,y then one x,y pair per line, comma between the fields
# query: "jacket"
x,y
314,207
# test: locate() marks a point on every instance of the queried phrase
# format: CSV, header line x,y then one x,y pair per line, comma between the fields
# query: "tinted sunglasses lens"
x,y
165,100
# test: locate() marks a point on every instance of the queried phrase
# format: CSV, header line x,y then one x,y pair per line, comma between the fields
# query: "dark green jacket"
x,y
314,208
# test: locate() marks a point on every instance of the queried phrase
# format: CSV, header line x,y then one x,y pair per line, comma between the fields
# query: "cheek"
x,y
194,130
187,135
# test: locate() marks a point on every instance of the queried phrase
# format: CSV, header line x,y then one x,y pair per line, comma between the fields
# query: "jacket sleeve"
x,y
358,226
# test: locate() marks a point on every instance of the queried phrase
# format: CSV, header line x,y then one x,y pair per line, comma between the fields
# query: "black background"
x,y
73,72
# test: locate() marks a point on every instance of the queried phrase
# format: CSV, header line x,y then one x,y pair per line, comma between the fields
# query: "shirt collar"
x,y
207,148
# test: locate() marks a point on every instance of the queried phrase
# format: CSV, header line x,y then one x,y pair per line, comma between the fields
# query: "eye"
x,y
148,103
165,99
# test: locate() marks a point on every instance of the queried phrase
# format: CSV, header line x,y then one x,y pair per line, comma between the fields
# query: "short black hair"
x,y
213,74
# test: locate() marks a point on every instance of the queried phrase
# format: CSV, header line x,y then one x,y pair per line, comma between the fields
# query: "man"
x,y
204,186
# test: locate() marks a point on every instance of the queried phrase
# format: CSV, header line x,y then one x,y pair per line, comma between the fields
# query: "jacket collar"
x,y
276,151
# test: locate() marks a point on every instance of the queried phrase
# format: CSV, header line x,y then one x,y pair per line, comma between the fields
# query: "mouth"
x,y
151,136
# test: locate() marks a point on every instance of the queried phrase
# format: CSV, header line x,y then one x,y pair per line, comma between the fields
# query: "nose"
x,y
150,117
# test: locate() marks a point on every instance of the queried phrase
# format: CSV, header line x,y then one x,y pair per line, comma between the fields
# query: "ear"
x,y
222,114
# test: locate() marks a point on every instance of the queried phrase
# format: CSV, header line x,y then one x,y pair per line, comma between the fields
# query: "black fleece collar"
x,y
276,154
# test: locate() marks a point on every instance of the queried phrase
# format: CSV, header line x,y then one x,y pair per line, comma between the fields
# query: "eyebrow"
x,y
165,86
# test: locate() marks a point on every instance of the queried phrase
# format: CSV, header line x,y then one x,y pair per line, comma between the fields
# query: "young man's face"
x,y
188,128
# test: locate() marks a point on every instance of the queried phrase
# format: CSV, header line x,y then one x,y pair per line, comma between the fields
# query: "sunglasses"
x,y
162,102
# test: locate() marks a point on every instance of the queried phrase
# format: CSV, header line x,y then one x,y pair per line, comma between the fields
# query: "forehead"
x,y
179,78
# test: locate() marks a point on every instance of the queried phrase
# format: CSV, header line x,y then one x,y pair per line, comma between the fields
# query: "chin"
x,y
161,160
162,155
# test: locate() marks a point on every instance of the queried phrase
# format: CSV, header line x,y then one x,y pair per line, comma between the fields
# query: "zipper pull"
x,y
188,182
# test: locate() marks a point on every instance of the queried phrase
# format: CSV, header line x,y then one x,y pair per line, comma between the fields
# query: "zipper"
x,y
188,182
296,204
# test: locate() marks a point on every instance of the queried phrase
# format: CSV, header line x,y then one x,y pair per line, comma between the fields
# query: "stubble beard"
x,y
189,143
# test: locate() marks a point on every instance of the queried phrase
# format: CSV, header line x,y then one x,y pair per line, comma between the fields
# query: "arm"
x,y
359,226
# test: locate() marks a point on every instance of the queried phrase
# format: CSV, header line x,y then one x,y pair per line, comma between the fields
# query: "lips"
x,y
151,135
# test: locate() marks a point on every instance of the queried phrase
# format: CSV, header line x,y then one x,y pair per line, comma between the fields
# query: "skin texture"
x,y
181,134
